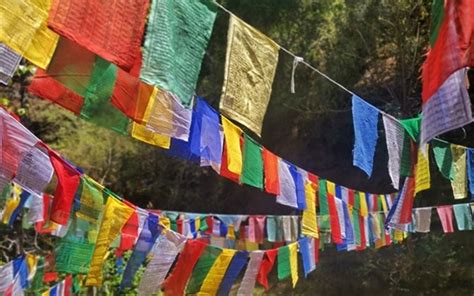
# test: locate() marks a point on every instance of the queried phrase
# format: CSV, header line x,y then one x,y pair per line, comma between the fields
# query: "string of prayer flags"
x,y
250,67
247,284
445,214
252,169
463,215
394,136
287,186
214,278
309,224
175,43
236,265
365,119
422,172
444,158
459,182
266,267
116,214
164,254
189,256
271,171
9,61
24,29
117,40
150,232
422,220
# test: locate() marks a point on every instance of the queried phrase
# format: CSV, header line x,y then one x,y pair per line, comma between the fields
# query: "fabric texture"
x,y
9,61
394,137
284,269
216,273
470,170
293,248
422,172
34,171
175,44
287,194
247,284
309,225
437,14
444,158
271,172
459,183
236,265
447,109
422,220
445,214
202,268
305,249
324,224
365,118
252,169
232,134
463,215
266,267
110,29
250,67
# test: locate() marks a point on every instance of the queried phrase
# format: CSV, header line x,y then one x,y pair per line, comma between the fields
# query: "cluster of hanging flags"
x,y
188,252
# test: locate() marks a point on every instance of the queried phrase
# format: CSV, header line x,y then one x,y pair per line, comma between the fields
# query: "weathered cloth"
x,y
394,136
248,282
250,67
9,61
459,183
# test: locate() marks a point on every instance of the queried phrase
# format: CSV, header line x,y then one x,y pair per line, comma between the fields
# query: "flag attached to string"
x,y
248,281
175,44
443,157
463,215
266,267
470,170
252,169
287,186
445,214
422,219
271,171
117,40
365,118
250,67
394,136
459,182
236,265
309,225
9,61
422,172
215,275
202,268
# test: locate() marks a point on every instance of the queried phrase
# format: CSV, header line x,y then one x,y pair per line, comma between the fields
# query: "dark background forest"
x,y
374,48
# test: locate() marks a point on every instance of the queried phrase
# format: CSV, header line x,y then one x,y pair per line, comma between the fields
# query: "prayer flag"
x,y
236,265
463,215
422,220
459,183
437,14
287,194
443,157
9,61
470,170
270,164
445,214
216,273
110,29
324,223
266,267
232,135
293,248
201,269
422,172
394,136
248,281
250,67
284,269
176,281
365,119
309,223
308,257
252,171
175,44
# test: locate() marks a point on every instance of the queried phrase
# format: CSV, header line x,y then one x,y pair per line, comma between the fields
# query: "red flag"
x,y
129,235
266,266
67,285
270,165
68,182
363,242
334,220
225,167
176,282
407,206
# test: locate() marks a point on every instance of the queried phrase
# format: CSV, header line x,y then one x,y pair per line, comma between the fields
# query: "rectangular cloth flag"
x,y
250,67
34,171
236,265
252,171
443,157
248,281
111,29
422,172
470,170
9,61
271,168
449,108
287,194
306,246
459,183
445,214
216,273
266,267
394,136
175,43
24,29
202,267
309,224
422,220
115,215
365,118
463,215
232,136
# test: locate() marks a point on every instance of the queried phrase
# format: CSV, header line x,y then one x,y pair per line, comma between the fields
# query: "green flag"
x,y
284,269
444,158
437,15
412,127
324,223
202,268
252,170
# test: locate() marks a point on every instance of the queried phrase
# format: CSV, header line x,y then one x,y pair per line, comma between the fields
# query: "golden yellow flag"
x,y
309,221
232,135
211,283
293,248
251,63
422,172
25,29
116,214
459,183
364,210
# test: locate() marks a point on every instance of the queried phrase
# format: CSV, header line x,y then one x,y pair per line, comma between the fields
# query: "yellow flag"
x,y
331,188
230,231
211,283
293,248
24,28
422,173
116,214
309,221
364,210
459,183
250,67
384,204
10,206
232,135
32,262
251,246
165,221
141,133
